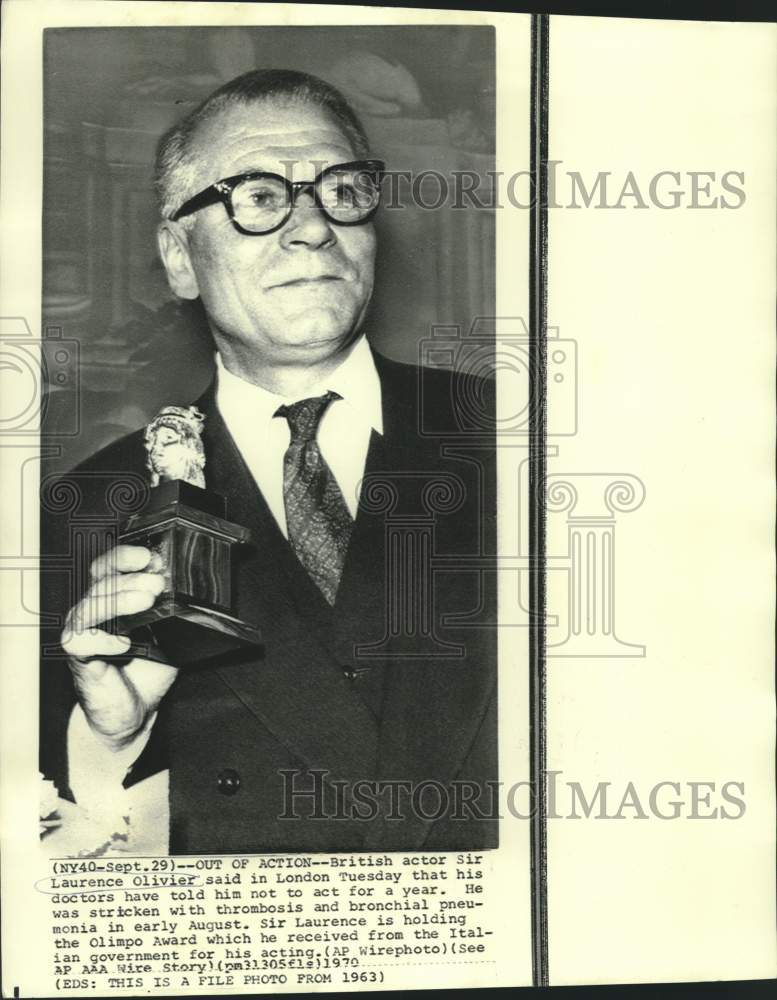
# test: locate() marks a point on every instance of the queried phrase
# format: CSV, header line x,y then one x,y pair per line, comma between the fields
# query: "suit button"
x,y
228,782
354,673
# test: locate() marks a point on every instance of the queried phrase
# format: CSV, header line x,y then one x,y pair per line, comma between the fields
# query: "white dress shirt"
x,y
96,773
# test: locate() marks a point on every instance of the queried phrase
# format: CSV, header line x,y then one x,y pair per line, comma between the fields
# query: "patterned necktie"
x,y
317,519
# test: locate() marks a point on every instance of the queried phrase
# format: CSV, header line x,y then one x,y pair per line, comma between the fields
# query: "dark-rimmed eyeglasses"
x,y
258,203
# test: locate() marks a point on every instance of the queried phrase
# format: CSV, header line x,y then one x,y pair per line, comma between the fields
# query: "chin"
x,y
317,328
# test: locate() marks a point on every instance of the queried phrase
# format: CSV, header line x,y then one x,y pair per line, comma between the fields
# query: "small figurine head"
x,y
174,446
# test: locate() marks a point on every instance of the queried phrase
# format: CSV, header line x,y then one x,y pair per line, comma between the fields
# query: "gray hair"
x,y
176,163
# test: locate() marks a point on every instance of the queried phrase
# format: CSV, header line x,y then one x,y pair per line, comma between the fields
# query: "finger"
x,y
94,610
94,642
117,583
120,559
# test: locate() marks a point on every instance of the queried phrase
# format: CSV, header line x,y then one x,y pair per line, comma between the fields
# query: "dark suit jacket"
x,y
312,713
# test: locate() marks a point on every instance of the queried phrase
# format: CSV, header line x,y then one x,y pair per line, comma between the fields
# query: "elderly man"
x,y
345,731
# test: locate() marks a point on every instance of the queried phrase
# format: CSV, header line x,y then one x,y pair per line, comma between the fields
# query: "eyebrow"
x,y
255,168
319,167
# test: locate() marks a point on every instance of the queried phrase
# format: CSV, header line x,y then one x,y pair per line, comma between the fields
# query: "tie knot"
x,y
305,416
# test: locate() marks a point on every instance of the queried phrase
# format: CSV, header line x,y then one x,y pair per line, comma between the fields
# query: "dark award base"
x,y
191,622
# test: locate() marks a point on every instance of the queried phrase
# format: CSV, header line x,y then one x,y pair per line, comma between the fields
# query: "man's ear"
x,y
174,250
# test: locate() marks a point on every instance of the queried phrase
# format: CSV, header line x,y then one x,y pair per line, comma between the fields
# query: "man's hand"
x,y
117,700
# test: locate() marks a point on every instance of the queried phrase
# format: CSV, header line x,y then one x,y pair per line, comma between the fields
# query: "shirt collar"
x,y
356,380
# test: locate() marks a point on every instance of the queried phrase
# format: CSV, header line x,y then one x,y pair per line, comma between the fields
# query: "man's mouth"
x,y
303,282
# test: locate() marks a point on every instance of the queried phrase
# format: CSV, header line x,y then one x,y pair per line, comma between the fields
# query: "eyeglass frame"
x,y
221,191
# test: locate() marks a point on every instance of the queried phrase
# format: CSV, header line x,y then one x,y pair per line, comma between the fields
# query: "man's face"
x,y
293,296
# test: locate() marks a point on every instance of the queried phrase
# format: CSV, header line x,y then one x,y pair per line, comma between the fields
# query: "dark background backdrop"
x,y
427,98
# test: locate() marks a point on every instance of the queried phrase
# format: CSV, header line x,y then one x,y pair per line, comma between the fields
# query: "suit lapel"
x,y
432,707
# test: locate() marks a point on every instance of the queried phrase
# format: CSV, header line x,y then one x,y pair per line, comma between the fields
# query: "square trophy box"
x,y
185,527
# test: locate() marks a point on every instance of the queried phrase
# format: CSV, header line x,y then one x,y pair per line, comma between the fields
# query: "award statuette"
x,y
185,527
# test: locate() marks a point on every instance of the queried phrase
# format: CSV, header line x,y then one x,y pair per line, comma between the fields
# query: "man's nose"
x,y
307,225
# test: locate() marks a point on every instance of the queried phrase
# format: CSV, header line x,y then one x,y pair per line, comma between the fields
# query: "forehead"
x,y
286,138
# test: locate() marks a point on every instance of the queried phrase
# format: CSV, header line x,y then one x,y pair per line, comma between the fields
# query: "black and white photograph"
x,y
279,496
